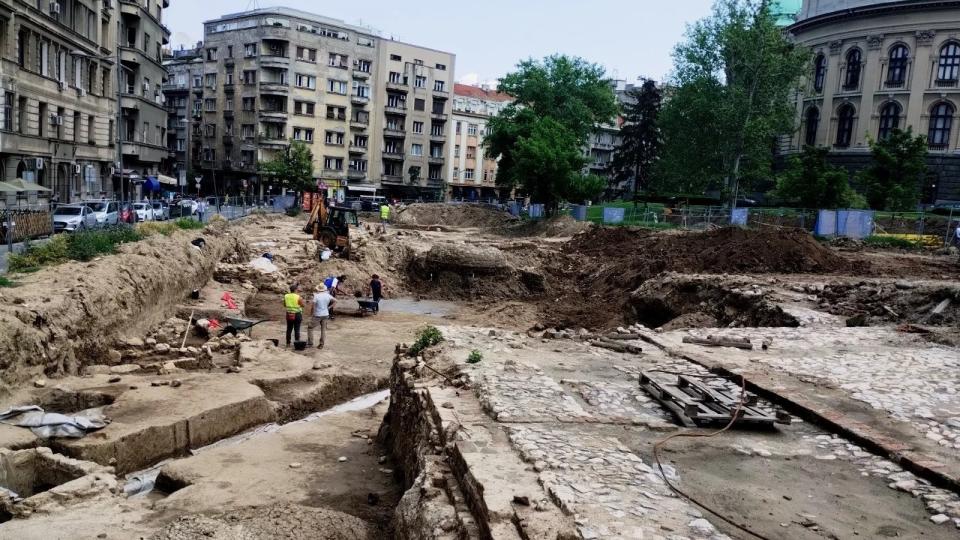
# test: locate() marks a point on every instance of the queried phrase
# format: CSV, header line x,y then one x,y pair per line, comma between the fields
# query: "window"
x,y
468,174
436,129
361,90
459,124
364,66
436,150
332,163
44,119
396,57
438,105
250,50
198,81
819,72
338,61
303,107
228,104
456,151
418,61
420,81
393,146
941,121
395,78
419,104
229,51
302,134
76,126
247,131
418,127
211,80
249,76
307,55
360,141
210,105
439,86
889,119
949,65
23,38
364,41
337,87
8,99
336,113
844,125
212,53
471,152
77,73
897,67
209,130
397,101
442,67
181,144
44,51
472,130
813,123
306,81
416,150
334,137
852,79
394,123
359,165
456,172
248,103
229,79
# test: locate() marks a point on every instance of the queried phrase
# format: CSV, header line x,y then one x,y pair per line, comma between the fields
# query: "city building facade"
x,y
881,65
373,111
472,171
183,96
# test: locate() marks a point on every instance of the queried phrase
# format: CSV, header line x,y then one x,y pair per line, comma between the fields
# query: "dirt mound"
x,y
608,264
282,521
556,227
453,215
460,271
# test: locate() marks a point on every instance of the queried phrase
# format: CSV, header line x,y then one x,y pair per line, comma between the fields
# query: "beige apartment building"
x,y
471,171
374,111
880,65
58,61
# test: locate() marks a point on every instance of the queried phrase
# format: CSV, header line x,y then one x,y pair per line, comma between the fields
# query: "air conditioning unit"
x,y
76,168
56,120
81,92
54,8
146,87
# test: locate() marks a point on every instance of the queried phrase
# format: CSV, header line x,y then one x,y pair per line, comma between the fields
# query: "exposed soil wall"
x,y
453,215
64,317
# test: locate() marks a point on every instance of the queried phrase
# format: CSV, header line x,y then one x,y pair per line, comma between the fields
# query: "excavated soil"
x,y
281,522
453,215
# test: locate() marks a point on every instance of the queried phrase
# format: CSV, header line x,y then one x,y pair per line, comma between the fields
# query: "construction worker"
x,y
293,304
323,304
384,214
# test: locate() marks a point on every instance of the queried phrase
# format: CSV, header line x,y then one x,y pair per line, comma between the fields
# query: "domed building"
x,y
880,65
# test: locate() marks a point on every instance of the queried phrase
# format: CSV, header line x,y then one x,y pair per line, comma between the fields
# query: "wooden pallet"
x,y
696,405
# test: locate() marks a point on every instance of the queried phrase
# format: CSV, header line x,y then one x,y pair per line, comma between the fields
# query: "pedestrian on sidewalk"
x,y
201,208
323,303
293,305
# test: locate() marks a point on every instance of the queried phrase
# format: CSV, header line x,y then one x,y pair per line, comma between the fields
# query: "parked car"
x,y
143,211
127,214
187,208
161,210
106,212
73,217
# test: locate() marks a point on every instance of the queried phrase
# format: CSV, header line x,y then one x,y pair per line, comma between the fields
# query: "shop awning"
x,y
164,179
367,189
9,188
25,185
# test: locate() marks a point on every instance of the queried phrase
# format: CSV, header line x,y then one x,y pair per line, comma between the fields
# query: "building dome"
x,y
785,11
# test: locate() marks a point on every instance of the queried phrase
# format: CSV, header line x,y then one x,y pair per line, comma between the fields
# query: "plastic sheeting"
x,y
849,223
46,425
613,214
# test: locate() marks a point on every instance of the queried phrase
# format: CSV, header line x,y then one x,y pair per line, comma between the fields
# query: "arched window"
x,y
897,67
819,72
941,121
949,66
852,79
844,125
889,119
813,122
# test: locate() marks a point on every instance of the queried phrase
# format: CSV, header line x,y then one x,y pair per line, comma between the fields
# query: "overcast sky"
x,y
630,38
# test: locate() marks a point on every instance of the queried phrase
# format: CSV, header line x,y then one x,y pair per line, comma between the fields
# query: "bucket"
x,y
195,294
299,345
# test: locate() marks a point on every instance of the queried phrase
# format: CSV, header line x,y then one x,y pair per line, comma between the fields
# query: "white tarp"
x,y
46,425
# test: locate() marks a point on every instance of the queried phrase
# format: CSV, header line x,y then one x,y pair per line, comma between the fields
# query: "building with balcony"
x,y
472,172
59,95
880,65
360,102
183,96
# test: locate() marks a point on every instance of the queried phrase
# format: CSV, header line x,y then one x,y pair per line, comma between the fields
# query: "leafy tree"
x,y
892,181
292,169
640,134
810,182
414,173
733,78
585,188
540,136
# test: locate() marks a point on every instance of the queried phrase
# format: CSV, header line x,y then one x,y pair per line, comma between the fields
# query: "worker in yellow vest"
x,y
384,215
293,304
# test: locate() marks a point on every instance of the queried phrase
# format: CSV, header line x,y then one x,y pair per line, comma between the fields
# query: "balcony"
x,y
340,117
390,153
438,116
274,61
937,147
441,93
277,115
271,87
438,137
354,174
359,100
398,87
335,174
173,87
359,123
391,179
894,84
272,140
394,132
229,88
228,114
395,109
945,83
354,149
227,140
362,75
603,146
438,160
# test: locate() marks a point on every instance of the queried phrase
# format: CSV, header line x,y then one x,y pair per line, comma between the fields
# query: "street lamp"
x,y
119,115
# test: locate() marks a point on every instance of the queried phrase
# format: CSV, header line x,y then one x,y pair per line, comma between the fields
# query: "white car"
x,y
161,210
73,218
143,211
188,207
106,212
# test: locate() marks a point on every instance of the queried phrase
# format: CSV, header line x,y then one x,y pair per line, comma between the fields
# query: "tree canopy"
x,y
892,181
640,135
292,168
810,182
539,138
733,80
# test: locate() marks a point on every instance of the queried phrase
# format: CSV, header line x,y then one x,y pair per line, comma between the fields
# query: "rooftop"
x,y
300,14
466,90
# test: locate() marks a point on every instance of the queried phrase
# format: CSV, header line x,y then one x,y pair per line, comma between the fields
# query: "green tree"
x,y
810,182
585,188
892,181
292,169
640,135
540,136
733,80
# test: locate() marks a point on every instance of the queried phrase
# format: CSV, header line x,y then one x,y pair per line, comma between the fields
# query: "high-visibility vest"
x,y
291,301
384,212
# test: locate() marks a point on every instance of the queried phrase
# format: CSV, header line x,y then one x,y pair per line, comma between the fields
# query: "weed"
x,y
427,337
188,224
78,246
150,228
889,242
475,357
5,282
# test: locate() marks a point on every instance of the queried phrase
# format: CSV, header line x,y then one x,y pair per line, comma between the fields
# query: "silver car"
x,y
143,211
161,210
106,212
73,218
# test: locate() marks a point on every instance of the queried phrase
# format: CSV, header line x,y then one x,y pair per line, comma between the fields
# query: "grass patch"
x,y
188,224
427,337
475,357
80,246
150,228
889,242
5,282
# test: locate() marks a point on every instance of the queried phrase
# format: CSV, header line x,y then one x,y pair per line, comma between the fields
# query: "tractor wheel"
x,y
327,238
